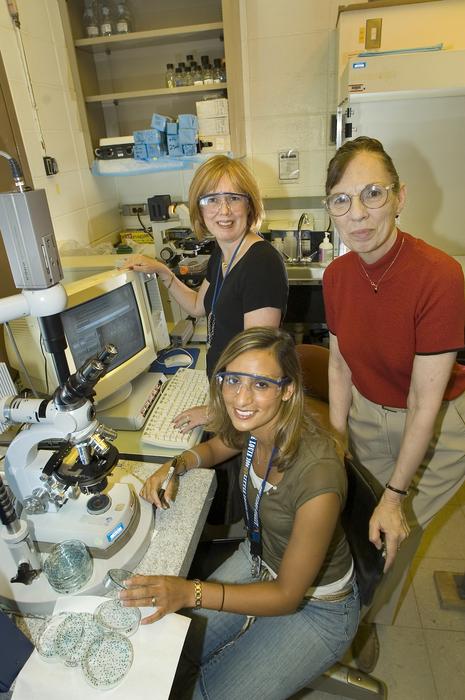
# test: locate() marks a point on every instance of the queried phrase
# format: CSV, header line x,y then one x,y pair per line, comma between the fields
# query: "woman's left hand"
x,y
166,594
388,519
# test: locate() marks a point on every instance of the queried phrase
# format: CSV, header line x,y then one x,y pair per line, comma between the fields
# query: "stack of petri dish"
x,y
95,642
68,567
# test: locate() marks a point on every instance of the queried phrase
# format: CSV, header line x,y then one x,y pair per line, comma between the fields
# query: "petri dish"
x,y
114,616
91,632
69,635
46,639
107,661
114,578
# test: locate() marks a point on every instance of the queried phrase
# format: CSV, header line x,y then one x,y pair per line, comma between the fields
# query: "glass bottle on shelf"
x,y
189,59
90,19
217,72
207,74
123,20
169,76
197,75
178,77
204,60
106,24
188,80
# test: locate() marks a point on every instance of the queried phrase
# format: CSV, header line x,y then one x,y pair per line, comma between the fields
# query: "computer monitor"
x,y
110,307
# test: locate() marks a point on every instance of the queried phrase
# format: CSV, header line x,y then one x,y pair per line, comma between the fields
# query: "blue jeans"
x,y
274,657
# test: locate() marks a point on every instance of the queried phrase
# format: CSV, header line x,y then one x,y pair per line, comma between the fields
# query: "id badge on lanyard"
x,y
254,527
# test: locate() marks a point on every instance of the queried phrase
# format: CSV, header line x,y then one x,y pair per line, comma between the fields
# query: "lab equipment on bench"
x,y
187,388
58,494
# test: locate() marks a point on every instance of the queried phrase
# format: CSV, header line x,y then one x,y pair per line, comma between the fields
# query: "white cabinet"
x,y
120,79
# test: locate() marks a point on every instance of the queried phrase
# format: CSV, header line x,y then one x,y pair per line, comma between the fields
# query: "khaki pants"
x,y
375,434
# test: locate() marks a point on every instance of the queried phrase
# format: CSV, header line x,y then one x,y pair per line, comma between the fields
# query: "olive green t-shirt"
x,y
317,469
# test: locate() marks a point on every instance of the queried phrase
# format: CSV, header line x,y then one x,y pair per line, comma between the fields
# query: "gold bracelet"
x,y
197,593
182,461
171,281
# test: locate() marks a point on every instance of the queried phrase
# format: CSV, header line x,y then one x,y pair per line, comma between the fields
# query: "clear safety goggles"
x,y
211,203
231,384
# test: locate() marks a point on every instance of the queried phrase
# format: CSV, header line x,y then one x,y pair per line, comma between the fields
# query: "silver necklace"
x,y
375,285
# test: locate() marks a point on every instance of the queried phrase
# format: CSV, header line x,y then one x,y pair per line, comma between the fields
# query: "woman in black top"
x,y
246,282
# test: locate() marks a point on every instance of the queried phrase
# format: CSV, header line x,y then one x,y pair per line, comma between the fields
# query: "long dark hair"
x,y
292,421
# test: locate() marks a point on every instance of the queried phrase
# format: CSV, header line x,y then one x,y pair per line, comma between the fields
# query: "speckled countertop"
x,y
177,530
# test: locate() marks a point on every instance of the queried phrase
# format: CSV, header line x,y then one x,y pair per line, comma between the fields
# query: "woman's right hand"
x,y
144,263
153,484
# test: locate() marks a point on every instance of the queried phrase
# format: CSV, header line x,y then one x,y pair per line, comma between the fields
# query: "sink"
x,y
304,273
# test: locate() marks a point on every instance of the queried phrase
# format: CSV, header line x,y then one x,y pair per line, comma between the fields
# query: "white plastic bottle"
x,y
325,250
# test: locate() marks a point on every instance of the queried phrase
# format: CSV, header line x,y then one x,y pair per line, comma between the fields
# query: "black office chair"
x,y
363,495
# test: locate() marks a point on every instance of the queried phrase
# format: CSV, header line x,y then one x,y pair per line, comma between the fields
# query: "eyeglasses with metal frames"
x,y
373,196
266,387
213,202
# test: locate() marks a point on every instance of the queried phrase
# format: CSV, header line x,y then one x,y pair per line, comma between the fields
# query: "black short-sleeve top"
x,y
256,281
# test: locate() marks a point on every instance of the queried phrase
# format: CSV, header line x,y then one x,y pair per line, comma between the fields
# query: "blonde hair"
x,y
206,179
293,423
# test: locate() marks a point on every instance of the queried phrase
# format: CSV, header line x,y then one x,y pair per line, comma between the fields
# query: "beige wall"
x,y
83,208
290,77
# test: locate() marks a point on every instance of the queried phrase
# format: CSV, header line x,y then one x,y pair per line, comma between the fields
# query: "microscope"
x,y
61,470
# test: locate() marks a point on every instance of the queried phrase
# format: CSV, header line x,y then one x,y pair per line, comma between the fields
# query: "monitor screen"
x,y
111,318
109,307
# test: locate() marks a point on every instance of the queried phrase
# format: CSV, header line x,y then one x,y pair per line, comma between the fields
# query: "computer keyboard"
x,y
187,388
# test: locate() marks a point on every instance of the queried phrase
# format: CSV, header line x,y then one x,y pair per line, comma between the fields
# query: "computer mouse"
x,y
178,359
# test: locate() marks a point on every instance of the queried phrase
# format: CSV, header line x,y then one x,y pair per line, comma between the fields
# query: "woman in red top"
x,y
395,308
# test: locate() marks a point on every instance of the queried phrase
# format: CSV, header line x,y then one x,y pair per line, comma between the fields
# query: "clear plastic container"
x,y
116,617
46,639
107,661
68,567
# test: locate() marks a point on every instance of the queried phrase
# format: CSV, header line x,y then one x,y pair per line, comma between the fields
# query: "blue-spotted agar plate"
x,y
107,661
46,640
116,617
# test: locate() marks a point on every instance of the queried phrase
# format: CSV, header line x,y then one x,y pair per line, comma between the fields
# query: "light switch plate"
x,y
373,33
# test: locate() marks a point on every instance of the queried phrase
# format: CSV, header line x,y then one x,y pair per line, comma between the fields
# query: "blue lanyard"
x,y
254,531
218,284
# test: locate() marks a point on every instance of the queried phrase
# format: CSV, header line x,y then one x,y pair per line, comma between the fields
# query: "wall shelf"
x,y
155,92
151,37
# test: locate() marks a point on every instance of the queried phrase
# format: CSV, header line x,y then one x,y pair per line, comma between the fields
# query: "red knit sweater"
x,y
419,309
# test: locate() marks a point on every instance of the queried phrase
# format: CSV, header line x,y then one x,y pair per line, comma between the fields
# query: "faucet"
x,y
303,220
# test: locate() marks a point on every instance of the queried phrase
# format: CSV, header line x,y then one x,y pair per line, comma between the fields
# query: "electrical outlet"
x,y
134,209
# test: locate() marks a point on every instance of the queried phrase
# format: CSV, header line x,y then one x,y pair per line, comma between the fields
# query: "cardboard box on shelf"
x,y
212,108
213,125
216,143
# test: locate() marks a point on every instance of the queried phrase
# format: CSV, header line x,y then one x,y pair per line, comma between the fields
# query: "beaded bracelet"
x,y
401,492
197,593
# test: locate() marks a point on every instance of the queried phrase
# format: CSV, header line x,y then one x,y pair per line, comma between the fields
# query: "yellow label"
x,y
361,35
